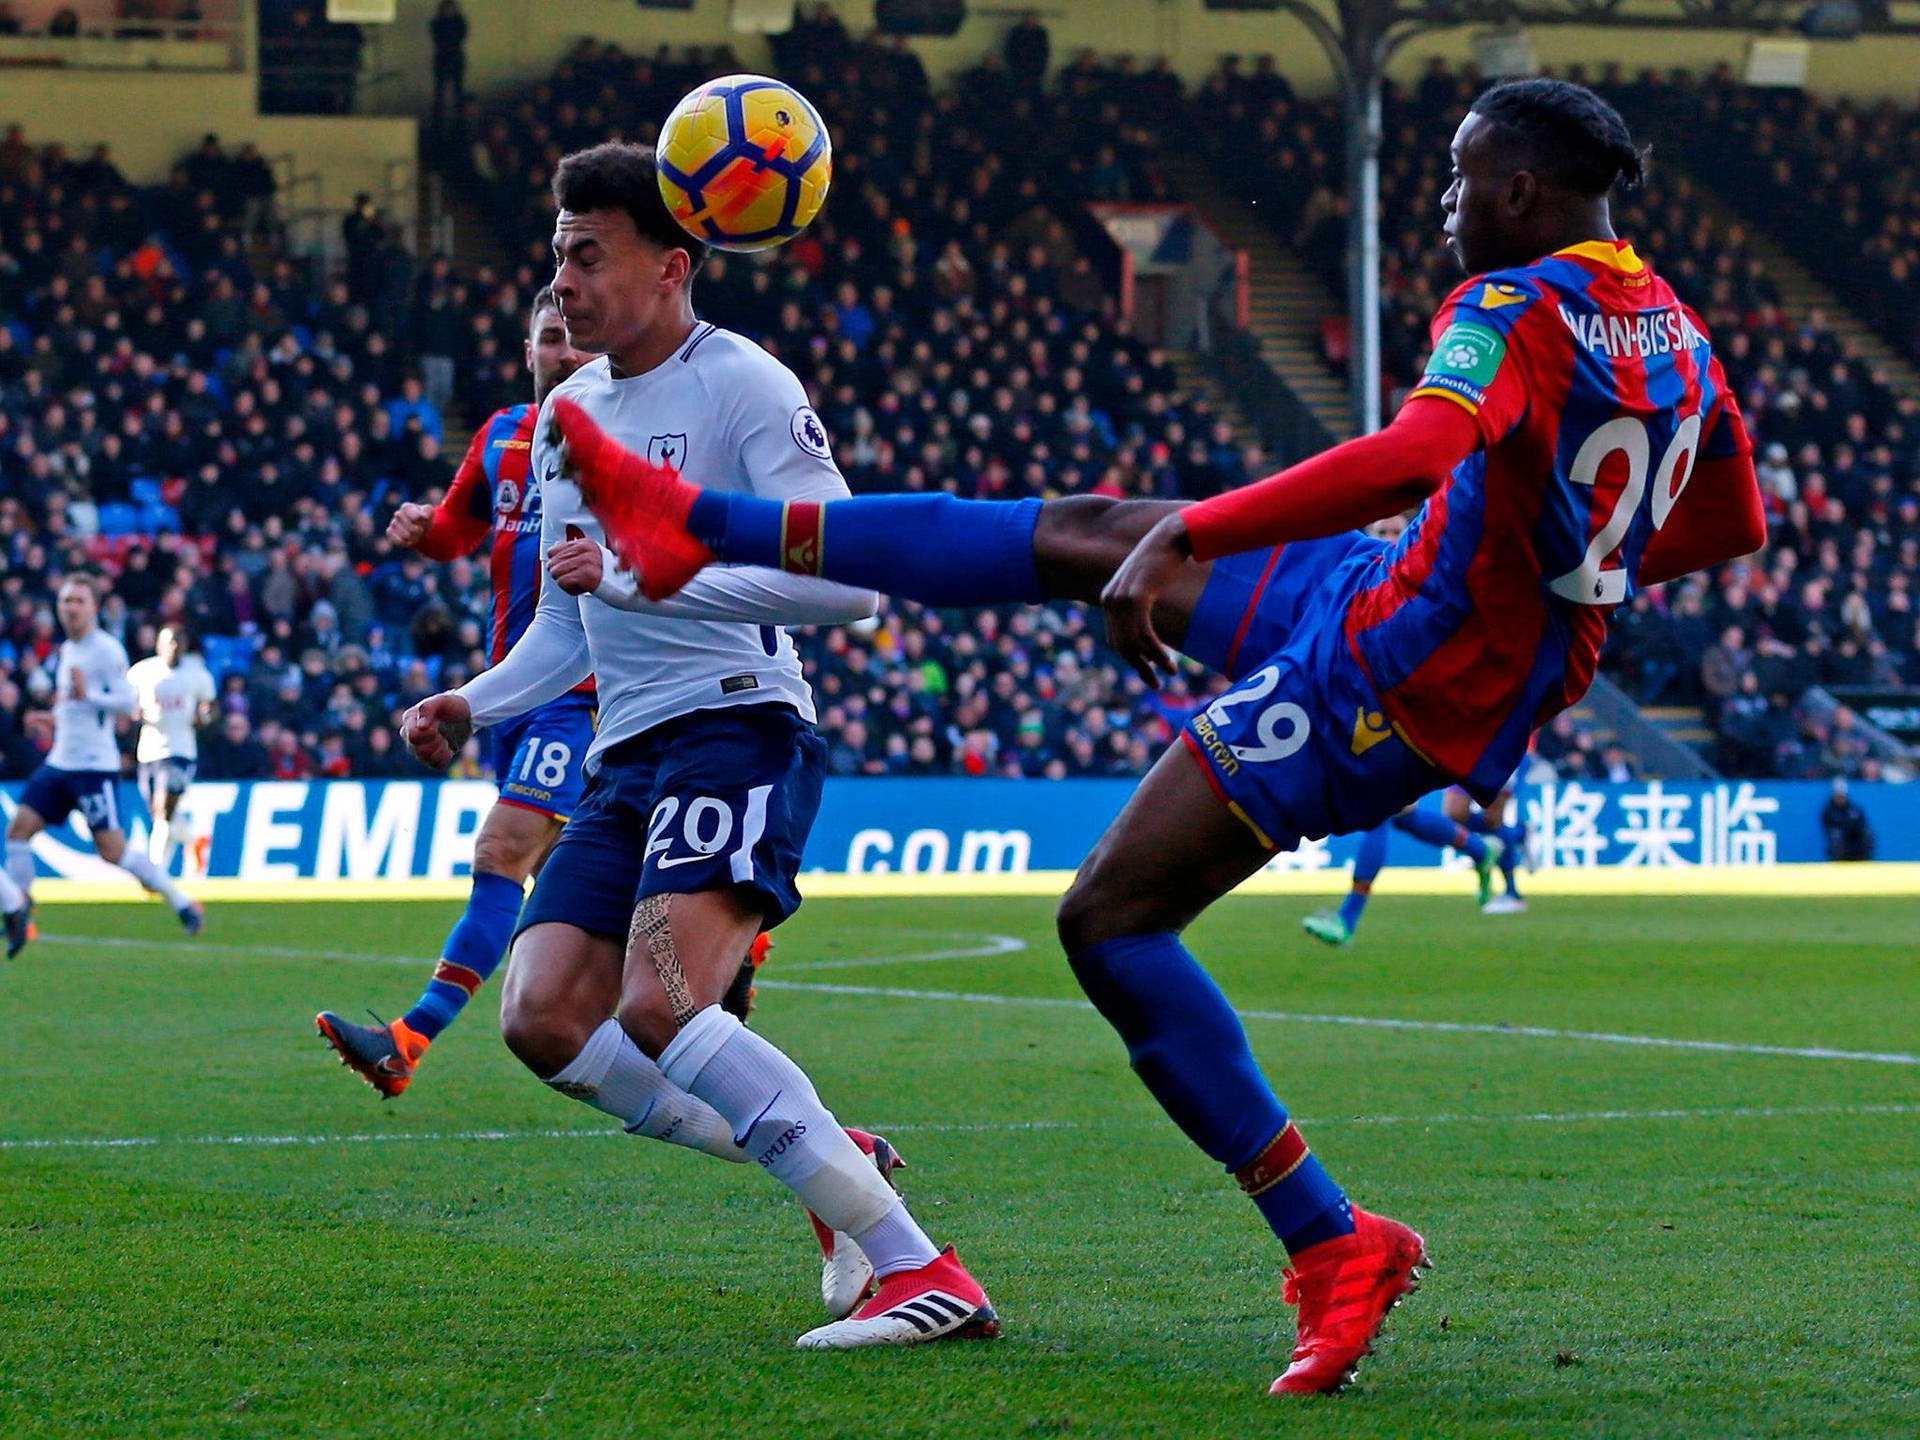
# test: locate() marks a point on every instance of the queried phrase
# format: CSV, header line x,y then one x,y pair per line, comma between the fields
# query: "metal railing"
x,y
1288,429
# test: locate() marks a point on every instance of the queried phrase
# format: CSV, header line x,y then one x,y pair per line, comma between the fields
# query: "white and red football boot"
x,y
939,1301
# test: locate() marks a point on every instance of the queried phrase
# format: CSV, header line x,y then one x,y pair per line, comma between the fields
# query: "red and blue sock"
x,y
473,950
931,548
1191,1051
1368,863
1437,830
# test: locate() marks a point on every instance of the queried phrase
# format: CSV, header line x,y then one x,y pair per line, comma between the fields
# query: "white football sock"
x,y
159,845
142,869
12,897
20,864
179,835
779,1121
611,1074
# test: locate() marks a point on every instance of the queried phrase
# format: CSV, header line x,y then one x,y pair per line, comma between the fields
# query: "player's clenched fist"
x,y
437,729
577,565
410,524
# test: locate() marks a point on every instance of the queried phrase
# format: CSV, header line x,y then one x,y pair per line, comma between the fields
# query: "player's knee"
x,y
542,1032
1087,912
650,1021
510,855
20,827
109,845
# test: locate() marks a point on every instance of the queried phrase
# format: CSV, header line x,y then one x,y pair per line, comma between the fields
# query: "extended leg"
x,y
935,549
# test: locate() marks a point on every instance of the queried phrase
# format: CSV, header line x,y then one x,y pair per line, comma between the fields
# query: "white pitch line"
x,y
988,946
889,992
434,1137
1375,1022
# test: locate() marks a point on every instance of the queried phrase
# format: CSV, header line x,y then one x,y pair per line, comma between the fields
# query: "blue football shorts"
x,y
709,800
54,794
539,759
1299,748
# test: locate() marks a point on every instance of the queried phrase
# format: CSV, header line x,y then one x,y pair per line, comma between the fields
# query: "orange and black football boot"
x,y
1345,1289
386,1055
738,1001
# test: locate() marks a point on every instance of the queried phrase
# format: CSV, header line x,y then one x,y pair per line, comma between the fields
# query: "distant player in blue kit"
x,y
537,757
1337,927
1573,437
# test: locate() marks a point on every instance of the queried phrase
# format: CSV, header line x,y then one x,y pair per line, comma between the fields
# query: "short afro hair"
x,y
1566,133
619,175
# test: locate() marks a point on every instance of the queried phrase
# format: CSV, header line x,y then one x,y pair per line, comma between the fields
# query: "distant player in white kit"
x,y
82,772
174,694
705,772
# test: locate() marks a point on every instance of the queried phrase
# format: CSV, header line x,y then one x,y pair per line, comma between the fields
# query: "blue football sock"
x,y
1191,1051
930,548
1515,839
472,953
1437,830
1366,864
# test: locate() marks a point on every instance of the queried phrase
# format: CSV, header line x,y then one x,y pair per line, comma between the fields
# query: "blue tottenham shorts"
x,y
167,777
1299,747
55,794
709,800
539,758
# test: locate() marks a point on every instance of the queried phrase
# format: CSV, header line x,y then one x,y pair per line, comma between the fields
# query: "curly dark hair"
x,y
619,175
1565,133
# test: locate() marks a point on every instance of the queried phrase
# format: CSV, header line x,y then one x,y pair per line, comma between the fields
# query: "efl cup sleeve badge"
x,y
669,450
1465,361
810,434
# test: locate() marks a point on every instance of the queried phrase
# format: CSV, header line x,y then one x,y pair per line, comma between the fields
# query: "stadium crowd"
x,y
1830,602
225,430
226,433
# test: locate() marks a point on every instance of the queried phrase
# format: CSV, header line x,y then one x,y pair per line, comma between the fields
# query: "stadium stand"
x,y
944,318
188,408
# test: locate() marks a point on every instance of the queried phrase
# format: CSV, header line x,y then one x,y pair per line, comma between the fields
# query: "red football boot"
x,y
641,505
939,1301
1345,1289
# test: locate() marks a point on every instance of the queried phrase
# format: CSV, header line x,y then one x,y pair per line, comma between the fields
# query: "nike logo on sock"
x,y
741,1138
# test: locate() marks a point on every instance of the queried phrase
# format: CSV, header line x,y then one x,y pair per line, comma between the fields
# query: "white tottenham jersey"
x,y
727,416
169,700
83,729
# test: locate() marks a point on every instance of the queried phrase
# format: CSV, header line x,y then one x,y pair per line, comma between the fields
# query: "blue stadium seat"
x,y
145,491
116,519
227,654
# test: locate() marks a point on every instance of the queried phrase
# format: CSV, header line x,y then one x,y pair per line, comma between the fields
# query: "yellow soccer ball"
x,y
744,162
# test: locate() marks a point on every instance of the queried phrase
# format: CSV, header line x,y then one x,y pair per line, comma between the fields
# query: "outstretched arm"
x,y
1344,488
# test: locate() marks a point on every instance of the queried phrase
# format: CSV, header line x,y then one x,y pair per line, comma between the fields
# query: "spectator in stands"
x,y
1844,825
1027,51
449,31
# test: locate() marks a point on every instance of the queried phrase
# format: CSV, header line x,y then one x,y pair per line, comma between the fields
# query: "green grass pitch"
x,y
1631,1240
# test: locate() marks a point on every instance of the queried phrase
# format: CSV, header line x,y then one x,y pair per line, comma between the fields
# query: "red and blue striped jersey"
x,y
1595,392
492,501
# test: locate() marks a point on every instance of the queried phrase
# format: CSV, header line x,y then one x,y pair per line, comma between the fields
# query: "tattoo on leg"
x,y
650,928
